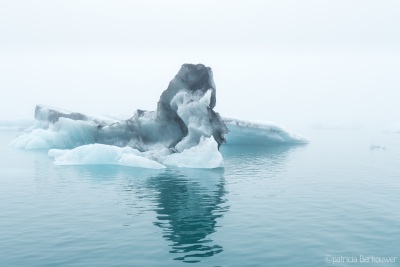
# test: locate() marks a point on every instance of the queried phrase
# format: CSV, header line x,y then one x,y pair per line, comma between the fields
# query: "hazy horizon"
x,y
293,63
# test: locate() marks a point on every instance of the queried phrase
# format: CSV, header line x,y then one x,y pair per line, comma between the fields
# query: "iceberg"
x,y
183,131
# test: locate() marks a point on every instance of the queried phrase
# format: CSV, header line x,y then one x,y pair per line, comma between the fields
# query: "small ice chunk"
x,y
374,147
204,155
99,154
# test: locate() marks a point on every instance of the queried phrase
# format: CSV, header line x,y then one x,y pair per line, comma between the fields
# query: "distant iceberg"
x,y
14,125
392,129
183,131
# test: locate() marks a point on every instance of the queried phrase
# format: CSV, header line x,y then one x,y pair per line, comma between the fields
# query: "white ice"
x,y
192,109
205,155
258,133
99,154
65,133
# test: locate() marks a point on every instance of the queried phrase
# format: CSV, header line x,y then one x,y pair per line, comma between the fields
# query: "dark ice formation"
x,y
184,113
194,79
184,116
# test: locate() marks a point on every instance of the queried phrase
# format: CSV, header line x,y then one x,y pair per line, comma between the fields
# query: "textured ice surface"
x,y
103,154
65,133
183,131
205,155
51,115
184,113
258,133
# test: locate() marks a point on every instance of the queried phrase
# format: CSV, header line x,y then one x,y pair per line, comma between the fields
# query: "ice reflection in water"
x,y
189,202
333,196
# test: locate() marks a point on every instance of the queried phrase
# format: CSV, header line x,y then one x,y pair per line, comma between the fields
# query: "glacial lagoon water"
x,y
334,200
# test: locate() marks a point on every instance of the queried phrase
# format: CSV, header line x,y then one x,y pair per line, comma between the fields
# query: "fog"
x,y
296,63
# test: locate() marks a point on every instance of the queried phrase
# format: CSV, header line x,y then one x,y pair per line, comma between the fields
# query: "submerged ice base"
x,y
204,155
183,131
100,154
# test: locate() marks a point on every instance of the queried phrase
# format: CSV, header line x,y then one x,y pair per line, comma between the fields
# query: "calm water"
x,y
270,206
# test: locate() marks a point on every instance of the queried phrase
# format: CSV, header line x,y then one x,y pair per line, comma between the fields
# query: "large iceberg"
x,y
183,131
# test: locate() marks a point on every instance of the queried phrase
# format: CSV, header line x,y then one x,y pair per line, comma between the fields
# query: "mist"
x,y
296,63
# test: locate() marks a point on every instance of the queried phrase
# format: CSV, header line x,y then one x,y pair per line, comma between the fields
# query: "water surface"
x,y
269,206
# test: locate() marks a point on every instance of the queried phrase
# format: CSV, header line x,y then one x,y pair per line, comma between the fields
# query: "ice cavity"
x,y
193,109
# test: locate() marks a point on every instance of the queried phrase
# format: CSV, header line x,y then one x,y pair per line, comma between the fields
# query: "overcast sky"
x,y
291,62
